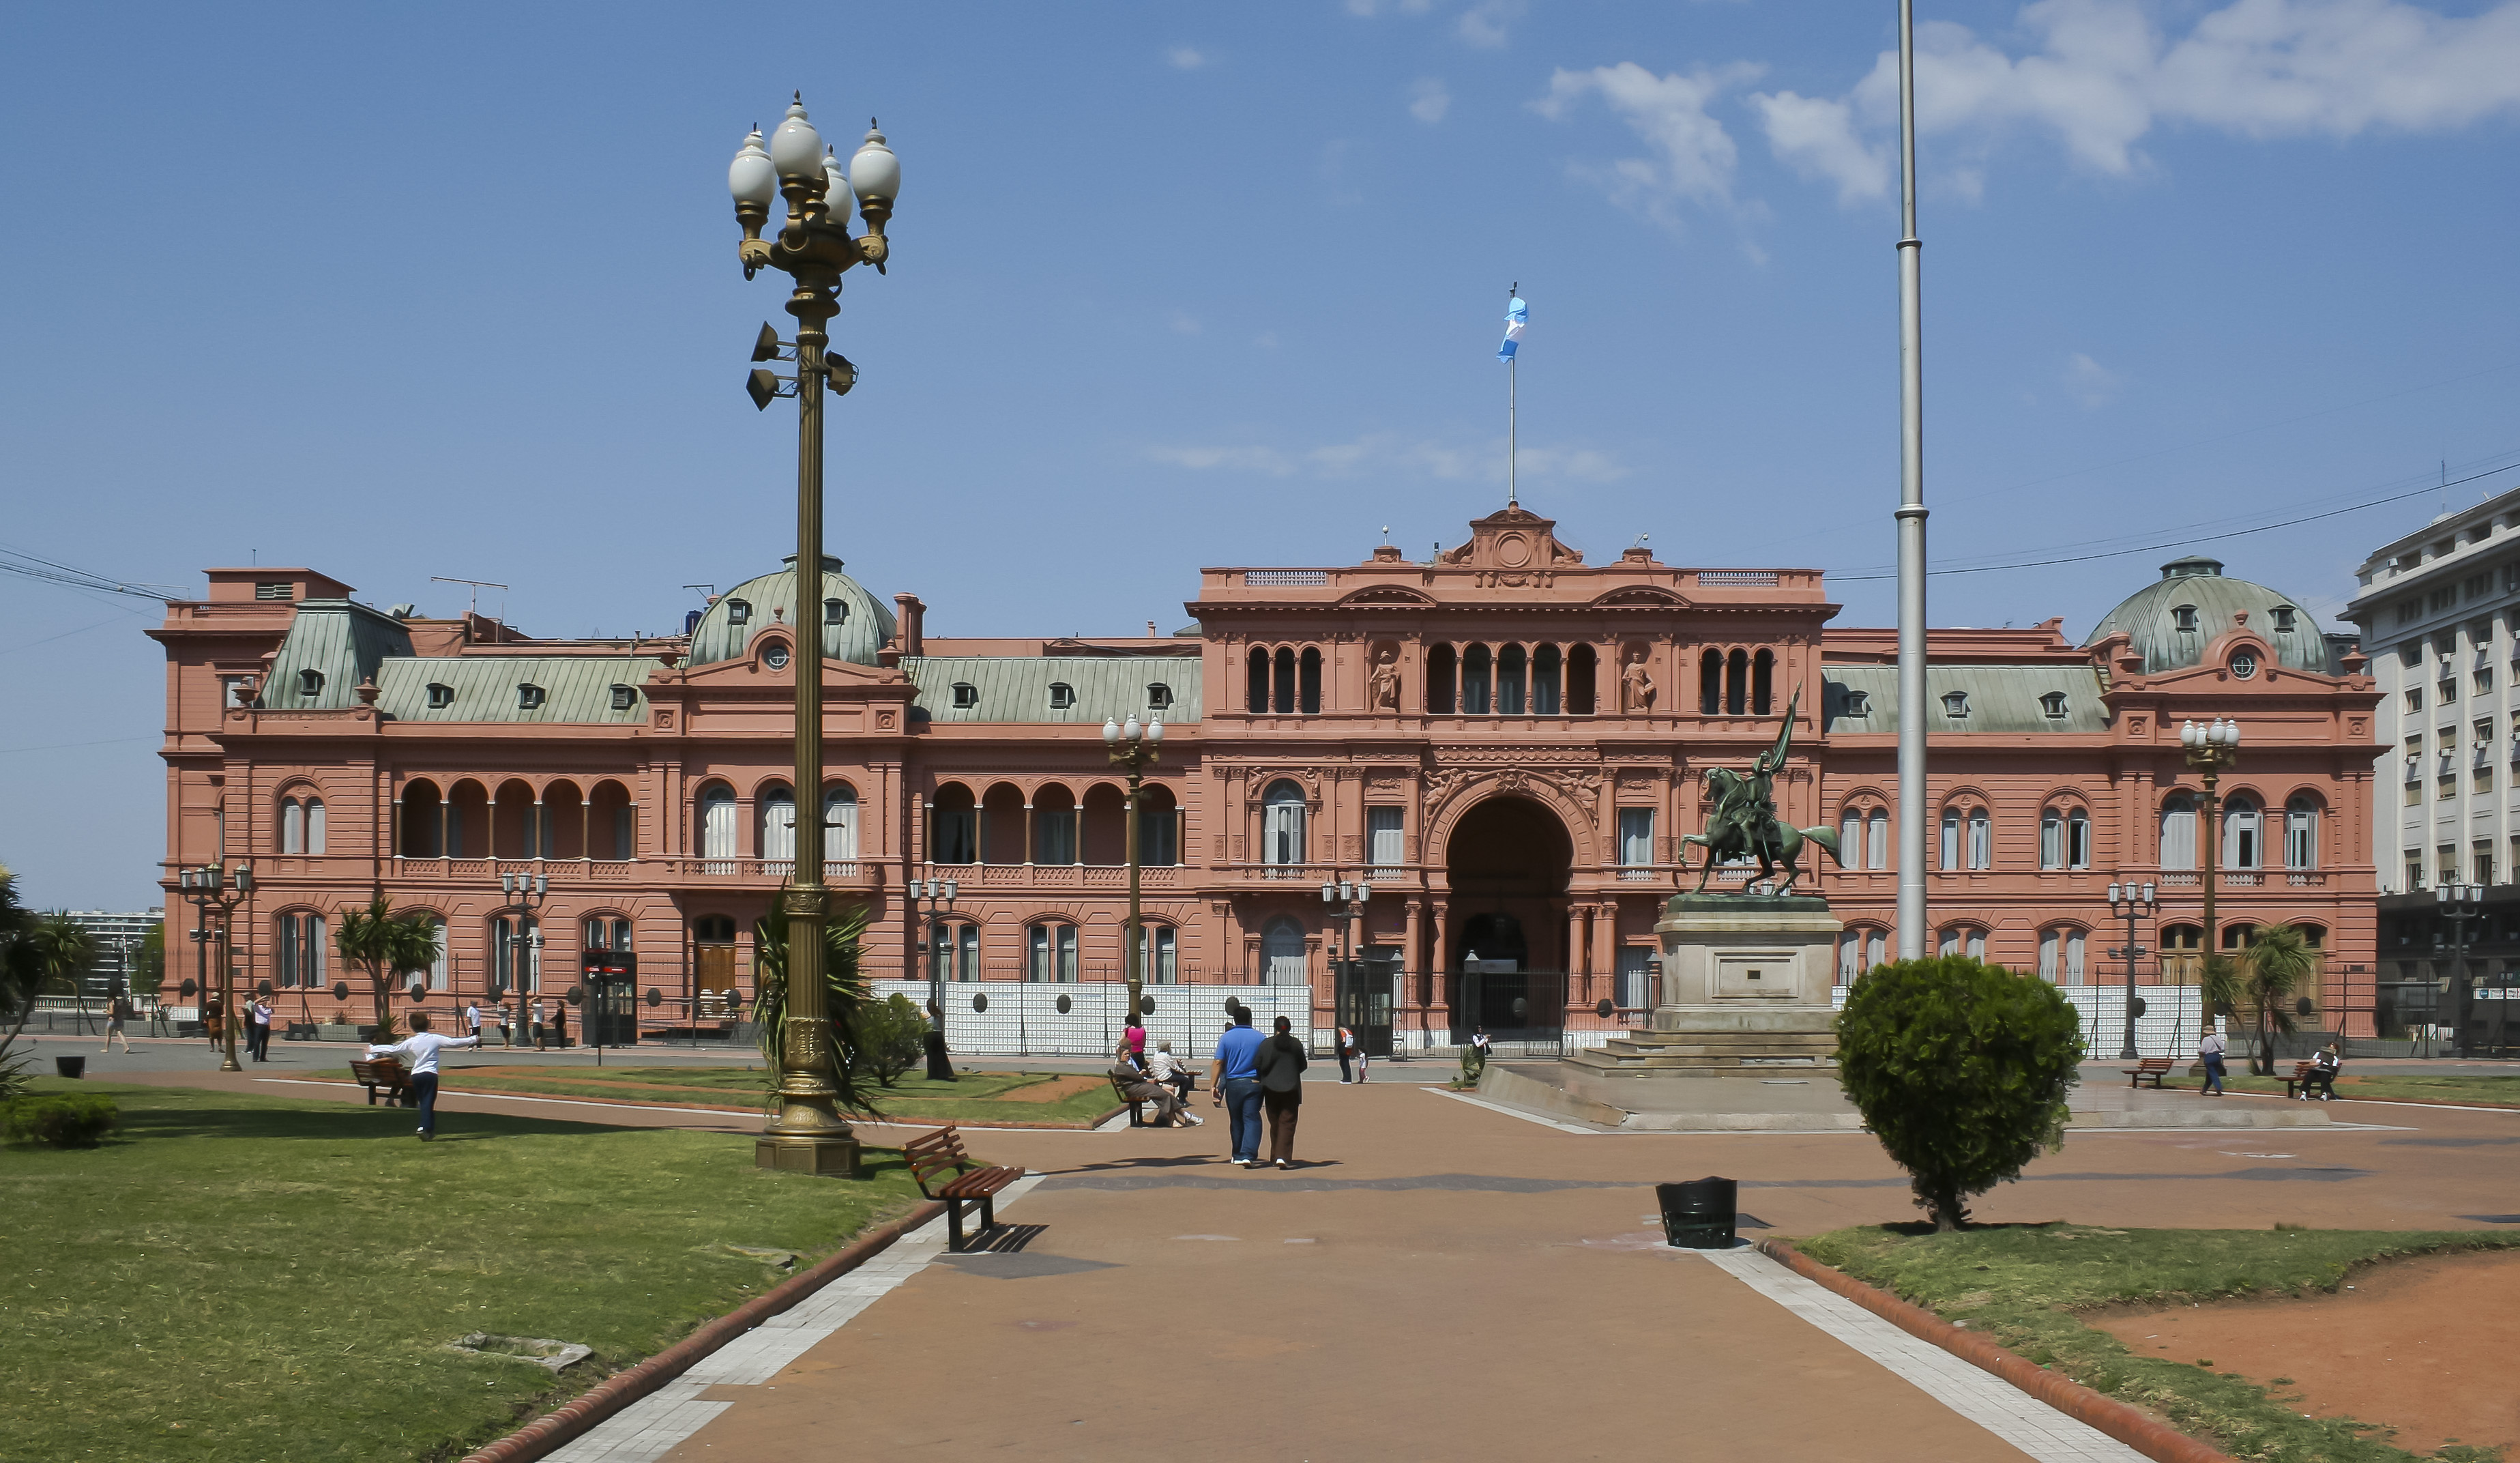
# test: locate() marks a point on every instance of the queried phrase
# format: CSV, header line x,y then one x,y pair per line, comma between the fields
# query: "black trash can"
x,y
73,1068
1698,1215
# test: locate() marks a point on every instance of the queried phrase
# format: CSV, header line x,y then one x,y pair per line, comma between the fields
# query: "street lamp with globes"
x,y
1135,746
2211,748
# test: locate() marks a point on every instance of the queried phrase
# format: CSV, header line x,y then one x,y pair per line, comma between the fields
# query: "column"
x,y
445,801
586,826
1577,987
1413,959
538,831
1602,962
1027,832
1437,1001
393,833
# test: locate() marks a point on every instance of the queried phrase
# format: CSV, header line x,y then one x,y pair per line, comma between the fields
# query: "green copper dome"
x,y
854,626
2172,621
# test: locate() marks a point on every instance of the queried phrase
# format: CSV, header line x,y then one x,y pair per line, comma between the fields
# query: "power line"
x,y
27,566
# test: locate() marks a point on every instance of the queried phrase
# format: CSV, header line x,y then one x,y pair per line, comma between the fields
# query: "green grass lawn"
x,y
2021,1285
251,1278
2451,1087
978,1098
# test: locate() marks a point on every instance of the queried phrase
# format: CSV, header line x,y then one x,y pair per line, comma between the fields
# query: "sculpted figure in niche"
x,y
1636,685
1386,682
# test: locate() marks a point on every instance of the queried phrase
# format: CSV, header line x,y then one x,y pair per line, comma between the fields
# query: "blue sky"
x,y
451,290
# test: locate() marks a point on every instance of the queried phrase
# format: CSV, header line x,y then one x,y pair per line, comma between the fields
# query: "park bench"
x,y
1137,1105
2300,1079
2152,1068
947,1173
382,1075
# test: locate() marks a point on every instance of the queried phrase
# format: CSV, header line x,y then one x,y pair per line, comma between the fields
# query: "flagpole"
x,y
1914,815
1512,365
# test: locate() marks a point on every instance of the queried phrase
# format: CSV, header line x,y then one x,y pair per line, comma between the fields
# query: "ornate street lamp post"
x,y
212,886
1348,899
2130,901
814,248
1135,746
935,896
2460,903
524,894
2212,750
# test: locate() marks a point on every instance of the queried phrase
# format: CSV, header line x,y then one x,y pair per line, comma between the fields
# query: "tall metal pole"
x,y
2213,837
1913,807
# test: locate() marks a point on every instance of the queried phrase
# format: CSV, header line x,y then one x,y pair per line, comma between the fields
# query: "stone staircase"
x,y
1709,1053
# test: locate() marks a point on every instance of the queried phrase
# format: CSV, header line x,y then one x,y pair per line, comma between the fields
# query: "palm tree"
x,y
2281,960
20,977
843,992
385,947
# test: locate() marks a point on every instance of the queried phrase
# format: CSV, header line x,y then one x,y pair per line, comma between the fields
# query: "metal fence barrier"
x,y
1033,1019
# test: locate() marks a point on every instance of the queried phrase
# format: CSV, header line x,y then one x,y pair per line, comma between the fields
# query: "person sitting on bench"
x,y
1135,1087
2324,1065
1171,1070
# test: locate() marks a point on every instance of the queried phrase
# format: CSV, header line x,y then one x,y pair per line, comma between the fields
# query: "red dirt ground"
x,y
2421,1345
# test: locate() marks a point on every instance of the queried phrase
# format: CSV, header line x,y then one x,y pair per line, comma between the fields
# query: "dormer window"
x,y
1859,703
440,695
310,683
2283,615
529,696
835,612
775,657
738,612
1160,697
1063,696
2053,704
966,695
1956,705
624,696
2185,619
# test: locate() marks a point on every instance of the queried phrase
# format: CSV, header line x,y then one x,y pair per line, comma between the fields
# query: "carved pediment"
x,y
1514,539
1389,594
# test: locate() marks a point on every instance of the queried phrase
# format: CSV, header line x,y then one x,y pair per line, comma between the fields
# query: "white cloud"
x,y
1694,155
1484,24
1816,138
1186,57
2088,381
1393,455
1429,100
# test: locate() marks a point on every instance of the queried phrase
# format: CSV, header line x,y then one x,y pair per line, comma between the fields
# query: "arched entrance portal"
x,y
1508,863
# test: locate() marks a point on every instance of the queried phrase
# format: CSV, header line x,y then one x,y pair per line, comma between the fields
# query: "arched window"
x,y
1282,953
1308,688
1281,827
1282,697
1850,837
300,952
1511,669
717,825
1981,840
2060,956
515,954
1580,667
1961,939
2179,832
1876,840
1255,698
1475,668
2064,839
292,827
2300,834
1051,954
437,962
605,931
2051,839
1440,662
1736,683
954,821
1545,671
953,950
1763,681
1054,825
2078,838
840,824
2243,832
1950,849
1710,683
1157,949
778,823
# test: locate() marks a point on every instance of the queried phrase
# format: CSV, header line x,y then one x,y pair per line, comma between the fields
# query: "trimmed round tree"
x,y
1960,1069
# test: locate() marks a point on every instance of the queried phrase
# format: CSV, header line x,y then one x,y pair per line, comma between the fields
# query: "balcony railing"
x,y
557,870
835,870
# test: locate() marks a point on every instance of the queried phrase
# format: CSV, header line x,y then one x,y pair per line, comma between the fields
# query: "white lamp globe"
x,y
796,149
751,177
1156,730
875,171
836,192
1111,730
1129,729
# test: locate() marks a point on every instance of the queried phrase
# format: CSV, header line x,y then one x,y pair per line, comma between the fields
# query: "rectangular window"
x,y
1636,977
2415,870
1155,955
1052,954
1382,838
437,967
2051,841
2414,698
287,951
1876,841
2446,863
2481,868
2074,957
1636,837
1950,849
1281,838
2049,941
2077,841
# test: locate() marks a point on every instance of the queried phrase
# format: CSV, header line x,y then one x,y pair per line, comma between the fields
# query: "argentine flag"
x,y
1516,316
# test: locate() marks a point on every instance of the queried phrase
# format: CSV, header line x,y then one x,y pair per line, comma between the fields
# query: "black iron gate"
x,y
1364,1000
1523,1012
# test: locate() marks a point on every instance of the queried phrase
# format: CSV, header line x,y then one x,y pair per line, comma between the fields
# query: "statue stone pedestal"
x,y
1745,990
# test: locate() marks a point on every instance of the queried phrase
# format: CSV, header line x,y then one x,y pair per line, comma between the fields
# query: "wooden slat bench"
x,y
2152,1068
2299,1081
382,1075
1137,1105
946,1173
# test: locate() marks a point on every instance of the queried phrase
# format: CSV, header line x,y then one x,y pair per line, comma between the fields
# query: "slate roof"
x,y
866,629
576,688
2000,697
342,642
1016,687
2149,618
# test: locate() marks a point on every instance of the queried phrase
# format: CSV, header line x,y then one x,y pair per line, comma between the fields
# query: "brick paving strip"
x,y
2148,1437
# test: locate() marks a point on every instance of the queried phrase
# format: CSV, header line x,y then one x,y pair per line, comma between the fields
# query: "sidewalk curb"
x,y
580,1414
2154,1440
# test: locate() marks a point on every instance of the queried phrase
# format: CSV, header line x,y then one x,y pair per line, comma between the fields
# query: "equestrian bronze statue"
x,y
1745,823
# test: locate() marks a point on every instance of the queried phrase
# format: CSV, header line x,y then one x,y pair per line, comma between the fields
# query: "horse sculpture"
x,y
1745,823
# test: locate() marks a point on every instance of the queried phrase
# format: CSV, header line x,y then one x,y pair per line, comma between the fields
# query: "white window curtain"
x,y
1382,837
717,824
2078,839
292,827
1282,953
314,825
1959,941
1981,832
2300,834
2074,957
1636,977
1052,954
1850,837
2179,834
1948,942
2242,828
1876,841
1635,836
2051,839
288,952
2050,942
438,973
779,824
1876,949
1951,839
1283,831
840,825
967,956
1850,956
1156,953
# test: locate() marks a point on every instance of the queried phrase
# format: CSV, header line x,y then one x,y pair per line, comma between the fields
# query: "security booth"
x,y
1363,999
612,980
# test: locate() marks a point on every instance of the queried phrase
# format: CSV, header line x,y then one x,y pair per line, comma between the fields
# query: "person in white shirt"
x,y
1165,1068
473,1020
417,1053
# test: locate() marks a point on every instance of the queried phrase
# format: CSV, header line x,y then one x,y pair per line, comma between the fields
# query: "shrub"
x,y
1960,1069
64,1121
891,1037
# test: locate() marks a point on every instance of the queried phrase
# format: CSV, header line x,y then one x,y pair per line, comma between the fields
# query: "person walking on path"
x,y
116,1014
1235,1080
258,1034
2212,1050
538,1022
560,1026
418,1054
1281,1064
1136,1086
1346,1050
213,1018
473,1020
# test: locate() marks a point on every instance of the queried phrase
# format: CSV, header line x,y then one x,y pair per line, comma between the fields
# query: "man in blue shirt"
x,y
1234,1079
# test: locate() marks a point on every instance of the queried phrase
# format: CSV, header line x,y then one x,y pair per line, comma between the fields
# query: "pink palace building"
x,y
1507,741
